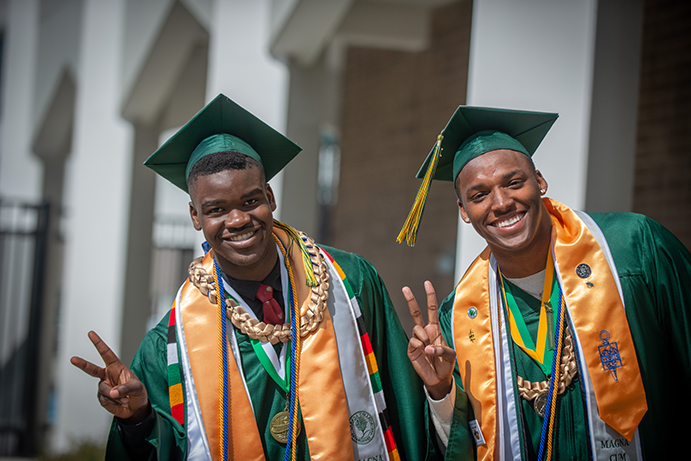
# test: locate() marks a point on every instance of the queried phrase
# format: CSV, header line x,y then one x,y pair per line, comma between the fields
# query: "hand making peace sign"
x,y
119,390
432,359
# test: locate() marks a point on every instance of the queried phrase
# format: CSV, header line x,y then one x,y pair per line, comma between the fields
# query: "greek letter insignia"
x,y
472,312
362,427
583,271
609,355
471,336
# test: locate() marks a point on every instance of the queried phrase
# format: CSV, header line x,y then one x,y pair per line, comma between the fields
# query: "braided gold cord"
x,y
259,330
567,370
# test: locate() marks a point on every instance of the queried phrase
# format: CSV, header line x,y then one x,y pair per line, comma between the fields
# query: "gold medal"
x,y
279,426
540,404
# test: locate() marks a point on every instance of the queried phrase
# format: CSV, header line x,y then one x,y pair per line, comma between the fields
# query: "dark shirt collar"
x,y
248,288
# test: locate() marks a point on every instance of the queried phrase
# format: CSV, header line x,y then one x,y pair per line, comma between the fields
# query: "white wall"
x,y
170,201
143,22
58,49
21,173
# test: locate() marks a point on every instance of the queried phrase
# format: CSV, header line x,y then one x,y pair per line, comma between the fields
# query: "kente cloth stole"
x,y
326,418
175,392
595,307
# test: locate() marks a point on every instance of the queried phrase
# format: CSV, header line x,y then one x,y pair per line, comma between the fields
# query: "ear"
x,y
270,197
195,217
541,181
464,215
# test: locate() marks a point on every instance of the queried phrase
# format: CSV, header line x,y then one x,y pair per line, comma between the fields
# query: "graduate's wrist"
x,y
440,390
139,415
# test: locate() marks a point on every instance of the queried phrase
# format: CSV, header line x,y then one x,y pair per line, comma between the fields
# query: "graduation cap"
x,y
471,132
222,125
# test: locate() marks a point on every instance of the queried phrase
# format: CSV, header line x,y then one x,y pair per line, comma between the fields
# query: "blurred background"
x,y
91,239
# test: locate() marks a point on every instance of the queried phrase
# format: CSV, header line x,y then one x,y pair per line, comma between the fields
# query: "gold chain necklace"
x,y
259,330
539,390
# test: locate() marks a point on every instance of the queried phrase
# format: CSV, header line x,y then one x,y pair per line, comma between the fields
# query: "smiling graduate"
x,y
561,339
276,347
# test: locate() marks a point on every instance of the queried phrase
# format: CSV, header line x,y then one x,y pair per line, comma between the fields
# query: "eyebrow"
x,y
209,203
504,176
512,173
256,191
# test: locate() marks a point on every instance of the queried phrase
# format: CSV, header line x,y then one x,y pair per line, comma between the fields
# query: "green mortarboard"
x,y
471,132
221,125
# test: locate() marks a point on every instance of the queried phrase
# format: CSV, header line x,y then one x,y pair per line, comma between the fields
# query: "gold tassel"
x,y
410,227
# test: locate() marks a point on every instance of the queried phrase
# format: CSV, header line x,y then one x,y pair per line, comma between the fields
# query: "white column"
x,y
536,55
21,172
241,68
96,198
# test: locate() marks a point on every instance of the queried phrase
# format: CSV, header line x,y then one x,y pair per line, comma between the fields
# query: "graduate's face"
x,y
234,209
500,196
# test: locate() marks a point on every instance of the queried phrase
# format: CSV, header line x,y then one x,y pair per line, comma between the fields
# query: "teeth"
x,y
244,236
509,222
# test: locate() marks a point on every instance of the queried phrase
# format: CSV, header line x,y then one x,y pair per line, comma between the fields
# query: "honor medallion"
x,y
279,426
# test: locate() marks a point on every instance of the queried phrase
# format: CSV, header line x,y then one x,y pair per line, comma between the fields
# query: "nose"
x,y
237,219
501,201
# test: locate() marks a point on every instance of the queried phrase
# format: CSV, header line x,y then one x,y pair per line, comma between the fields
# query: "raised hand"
x,y
432,359
119,390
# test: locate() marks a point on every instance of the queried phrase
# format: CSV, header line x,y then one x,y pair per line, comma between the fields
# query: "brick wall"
x,y
394,104
663,156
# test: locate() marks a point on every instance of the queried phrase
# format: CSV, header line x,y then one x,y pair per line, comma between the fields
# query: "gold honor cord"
x,y
412,223
225,391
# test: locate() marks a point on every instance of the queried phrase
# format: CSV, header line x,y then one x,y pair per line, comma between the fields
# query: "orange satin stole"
x,y
321,393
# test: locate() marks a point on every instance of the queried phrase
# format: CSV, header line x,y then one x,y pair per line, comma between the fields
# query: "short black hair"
x,y
221,161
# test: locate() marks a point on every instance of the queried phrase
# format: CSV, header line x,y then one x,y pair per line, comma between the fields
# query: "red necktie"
x,y
273,313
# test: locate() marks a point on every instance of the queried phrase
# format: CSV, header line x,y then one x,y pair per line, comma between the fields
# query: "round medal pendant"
x,y
279,426
540,404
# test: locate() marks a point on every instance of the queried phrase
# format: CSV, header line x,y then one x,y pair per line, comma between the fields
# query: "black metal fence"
x,y
23,246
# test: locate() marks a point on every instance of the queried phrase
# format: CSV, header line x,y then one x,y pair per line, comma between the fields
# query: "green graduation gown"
x,y
401,385
654,269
